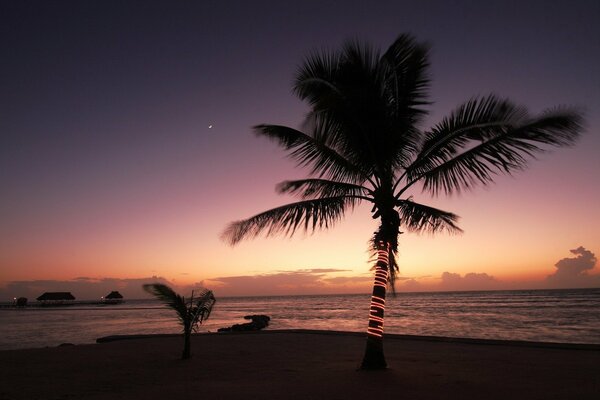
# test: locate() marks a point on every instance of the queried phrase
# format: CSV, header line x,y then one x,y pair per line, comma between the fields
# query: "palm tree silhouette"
x,y
362,142
190,313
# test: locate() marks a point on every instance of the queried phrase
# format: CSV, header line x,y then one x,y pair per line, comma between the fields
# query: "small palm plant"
x,y
190,313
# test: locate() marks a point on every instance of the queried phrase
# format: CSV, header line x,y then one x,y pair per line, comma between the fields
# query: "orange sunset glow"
x,y
117,170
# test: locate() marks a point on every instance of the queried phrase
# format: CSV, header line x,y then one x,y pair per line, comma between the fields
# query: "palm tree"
x,y
362,142
190,314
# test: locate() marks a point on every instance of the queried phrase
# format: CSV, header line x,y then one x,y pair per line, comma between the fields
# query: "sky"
x,y
126,145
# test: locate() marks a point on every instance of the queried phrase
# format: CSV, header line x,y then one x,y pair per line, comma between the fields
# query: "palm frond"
x,y
476,120
420,218
169,297
197,309
330,128
405,69
320,188
308,215
349,91
486,136
559,126
504,150
308,151
201,305
315,78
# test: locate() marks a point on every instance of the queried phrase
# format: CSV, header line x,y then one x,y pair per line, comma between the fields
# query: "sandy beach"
x,y
300,365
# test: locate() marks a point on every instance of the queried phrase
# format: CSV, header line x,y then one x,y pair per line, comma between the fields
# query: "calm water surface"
x,y
569,316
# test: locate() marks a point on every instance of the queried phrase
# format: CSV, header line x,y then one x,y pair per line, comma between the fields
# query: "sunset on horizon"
x,y
299,200
127,148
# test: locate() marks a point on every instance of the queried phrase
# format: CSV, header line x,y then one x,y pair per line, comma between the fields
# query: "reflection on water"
x,y
571,316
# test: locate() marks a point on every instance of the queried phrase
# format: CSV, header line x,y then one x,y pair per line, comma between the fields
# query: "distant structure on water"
x,y
20,302
113,297
56,298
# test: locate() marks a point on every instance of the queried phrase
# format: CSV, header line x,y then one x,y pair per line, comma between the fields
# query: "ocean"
x,y
563,316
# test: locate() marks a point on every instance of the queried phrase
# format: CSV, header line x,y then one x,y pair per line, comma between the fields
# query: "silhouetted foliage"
x,y
190,313
362,142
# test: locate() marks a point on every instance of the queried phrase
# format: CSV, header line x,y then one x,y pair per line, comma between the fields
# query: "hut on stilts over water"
x,y
113,297
56,299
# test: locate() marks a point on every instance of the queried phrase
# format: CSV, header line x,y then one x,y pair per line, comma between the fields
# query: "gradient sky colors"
x,y
109,169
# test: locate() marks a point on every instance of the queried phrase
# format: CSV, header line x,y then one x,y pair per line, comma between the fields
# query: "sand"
x,y
300,365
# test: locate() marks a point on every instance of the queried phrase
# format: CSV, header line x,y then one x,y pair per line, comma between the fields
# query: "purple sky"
x,y
108,167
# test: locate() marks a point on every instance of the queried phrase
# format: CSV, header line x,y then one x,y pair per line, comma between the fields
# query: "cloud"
x,y
571,272
302,281
319,280
471,281
574,272
411,285
349,279
83,288
322,270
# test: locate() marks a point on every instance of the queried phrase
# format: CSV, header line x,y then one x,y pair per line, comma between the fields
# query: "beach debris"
x,y
257,323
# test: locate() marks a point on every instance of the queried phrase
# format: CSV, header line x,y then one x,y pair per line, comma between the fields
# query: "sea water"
x,y
566,316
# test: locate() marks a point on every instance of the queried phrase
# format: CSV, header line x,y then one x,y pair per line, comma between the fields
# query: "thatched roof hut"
x,y
114,295
56,298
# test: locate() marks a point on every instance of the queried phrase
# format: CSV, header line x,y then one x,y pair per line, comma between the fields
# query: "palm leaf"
x,y
405,69
315,77
201,305
486,136
477,119
320,188
420,218
308,215
169,297
197,310
504,150
308,151
350,96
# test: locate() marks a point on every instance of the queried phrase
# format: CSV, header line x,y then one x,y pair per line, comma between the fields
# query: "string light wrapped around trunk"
x,y
379,287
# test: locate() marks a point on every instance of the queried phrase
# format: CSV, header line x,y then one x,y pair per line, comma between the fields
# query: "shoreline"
x,y
300,364
547,317
448,339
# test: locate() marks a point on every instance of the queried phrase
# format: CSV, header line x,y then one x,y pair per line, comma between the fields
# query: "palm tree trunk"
x,y
187,333
374,357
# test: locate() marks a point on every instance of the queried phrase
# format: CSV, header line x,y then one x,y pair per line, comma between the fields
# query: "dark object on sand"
x,y
258,322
